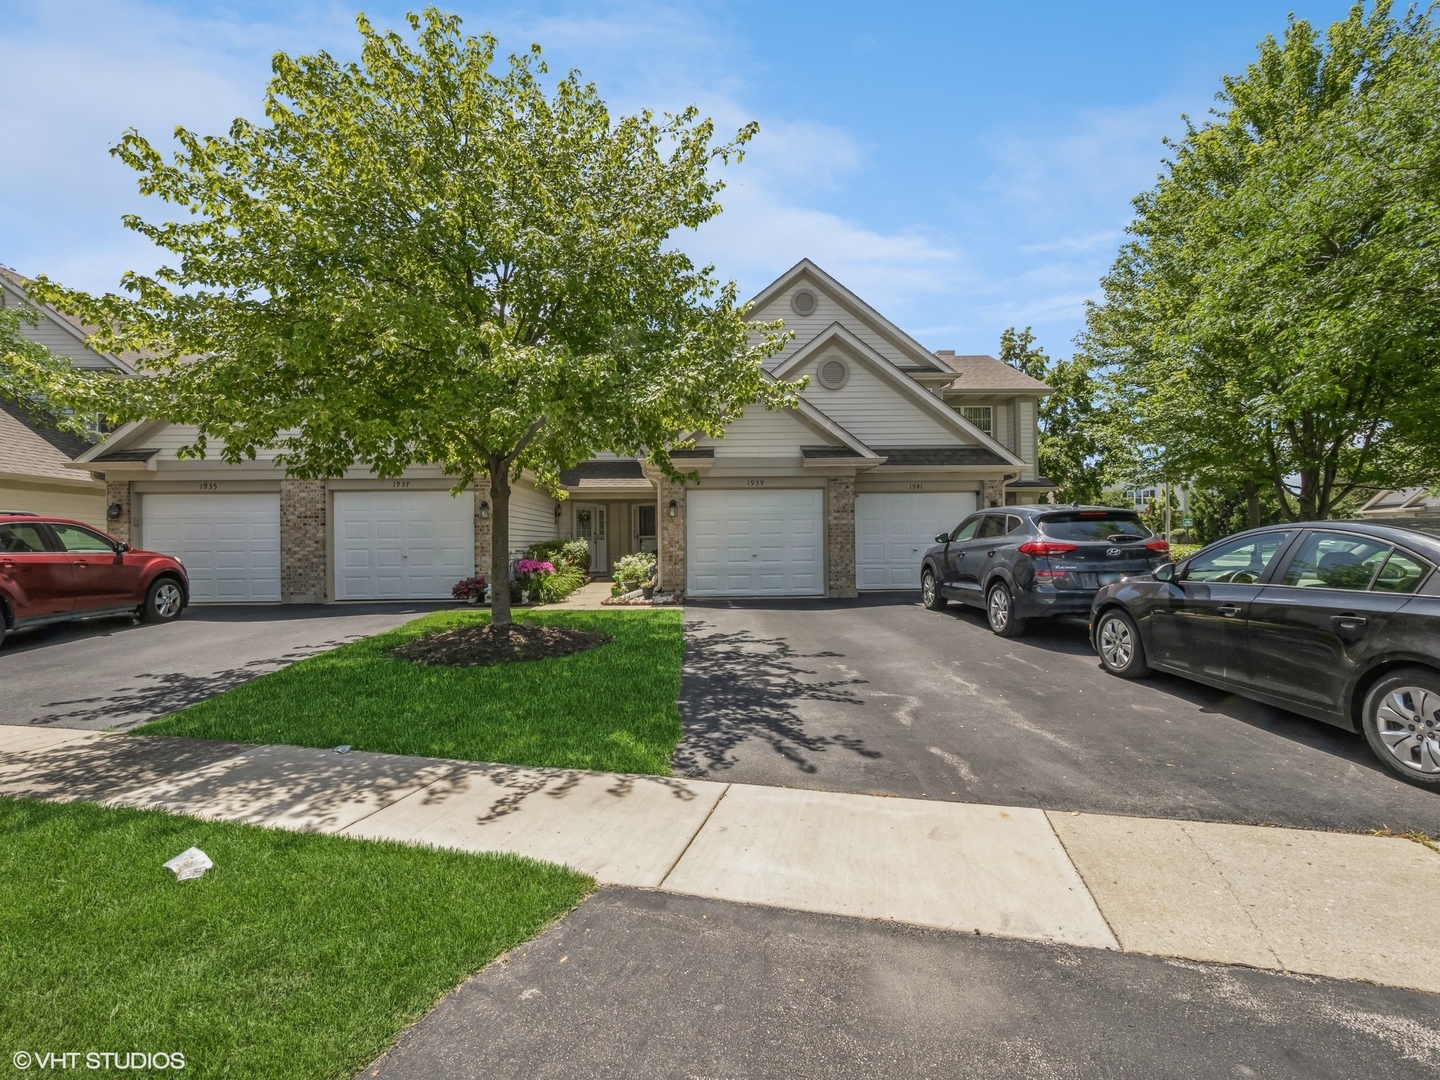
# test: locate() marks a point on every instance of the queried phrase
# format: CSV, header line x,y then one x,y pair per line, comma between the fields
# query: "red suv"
x,y
52,570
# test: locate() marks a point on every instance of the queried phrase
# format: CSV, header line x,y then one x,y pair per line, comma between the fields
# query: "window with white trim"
x,y
979,415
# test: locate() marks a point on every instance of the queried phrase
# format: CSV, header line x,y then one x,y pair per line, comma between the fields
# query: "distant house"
x,y
35,472
1404,506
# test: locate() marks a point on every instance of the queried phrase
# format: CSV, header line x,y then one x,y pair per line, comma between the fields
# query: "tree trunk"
x,y
499,542
1252,503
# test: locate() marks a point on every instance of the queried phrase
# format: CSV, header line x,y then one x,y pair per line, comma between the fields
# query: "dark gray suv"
x,y
1028,562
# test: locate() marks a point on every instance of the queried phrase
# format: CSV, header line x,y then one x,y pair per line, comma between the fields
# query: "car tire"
x,y
930,591
1117,641
1000,611
1401,720
164,601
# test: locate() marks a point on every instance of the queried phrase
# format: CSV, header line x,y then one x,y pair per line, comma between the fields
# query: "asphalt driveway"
x,y
117,673
879,695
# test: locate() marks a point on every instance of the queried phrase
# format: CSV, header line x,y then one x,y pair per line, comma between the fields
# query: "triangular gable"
x,y
67,330
911,352
861,411
766,432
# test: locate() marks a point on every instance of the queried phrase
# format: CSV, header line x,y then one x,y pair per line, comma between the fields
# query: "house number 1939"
x,y
754,483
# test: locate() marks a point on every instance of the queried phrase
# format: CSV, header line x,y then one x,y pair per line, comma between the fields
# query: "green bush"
x,y
1180,552
550,588
574,553
637,567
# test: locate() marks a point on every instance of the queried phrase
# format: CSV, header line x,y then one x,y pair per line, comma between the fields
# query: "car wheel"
x,y
1117,640
164,600
930,591
1401,718
1000,610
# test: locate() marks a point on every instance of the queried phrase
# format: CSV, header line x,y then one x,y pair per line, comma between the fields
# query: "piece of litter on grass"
x,y
343,748
190,863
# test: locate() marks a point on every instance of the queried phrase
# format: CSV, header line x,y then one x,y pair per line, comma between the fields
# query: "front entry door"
x,y
590,527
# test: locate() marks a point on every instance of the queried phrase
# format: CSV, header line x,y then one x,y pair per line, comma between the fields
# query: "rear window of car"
x,y
1095,525
20,539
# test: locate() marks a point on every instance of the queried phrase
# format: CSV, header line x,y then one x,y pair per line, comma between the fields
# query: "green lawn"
x,y
298,955
613,708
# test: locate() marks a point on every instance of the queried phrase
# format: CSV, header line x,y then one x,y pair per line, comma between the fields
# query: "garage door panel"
x,y
749,543
228,543
894,529
405,545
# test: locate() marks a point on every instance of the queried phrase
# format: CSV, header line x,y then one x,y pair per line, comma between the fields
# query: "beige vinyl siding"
x,y
761,432
827,311
88,507
875,412
169,440
56,336
532,517
1025,411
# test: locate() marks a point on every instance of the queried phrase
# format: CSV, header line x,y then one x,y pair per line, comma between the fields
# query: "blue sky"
x,y
963,166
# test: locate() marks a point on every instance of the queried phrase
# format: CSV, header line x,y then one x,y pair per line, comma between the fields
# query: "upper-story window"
x,y
980,416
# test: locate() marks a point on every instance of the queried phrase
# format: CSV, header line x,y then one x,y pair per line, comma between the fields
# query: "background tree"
x,y
1069,452
1275,322
423,259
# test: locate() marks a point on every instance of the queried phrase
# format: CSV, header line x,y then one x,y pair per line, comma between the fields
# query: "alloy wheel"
x,y
927,589
167,600
1408,722
1117,644
999,608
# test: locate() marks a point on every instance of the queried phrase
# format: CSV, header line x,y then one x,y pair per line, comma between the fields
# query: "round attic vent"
x,y
834,373
803,302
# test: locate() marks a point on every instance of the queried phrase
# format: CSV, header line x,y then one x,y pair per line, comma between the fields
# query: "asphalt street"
x,y
643,984
879,695
117,673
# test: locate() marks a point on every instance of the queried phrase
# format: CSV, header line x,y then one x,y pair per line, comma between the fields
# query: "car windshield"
x,y
1100,526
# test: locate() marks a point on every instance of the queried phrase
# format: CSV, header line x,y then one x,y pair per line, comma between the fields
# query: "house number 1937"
x,y
399,483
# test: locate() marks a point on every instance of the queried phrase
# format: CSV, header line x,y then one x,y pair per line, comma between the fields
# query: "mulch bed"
x,y
482,646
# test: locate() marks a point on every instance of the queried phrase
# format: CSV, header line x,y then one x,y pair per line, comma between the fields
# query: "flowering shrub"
x,y
470,588
637,567
526,567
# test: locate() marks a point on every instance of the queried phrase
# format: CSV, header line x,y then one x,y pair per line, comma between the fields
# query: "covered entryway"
x,y
893,529
755,543
402,545
228,543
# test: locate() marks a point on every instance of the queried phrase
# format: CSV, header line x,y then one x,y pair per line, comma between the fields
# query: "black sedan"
x,y
1339,621
1028,562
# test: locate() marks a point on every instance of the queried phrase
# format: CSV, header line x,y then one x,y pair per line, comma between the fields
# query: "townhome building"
x,y
890,445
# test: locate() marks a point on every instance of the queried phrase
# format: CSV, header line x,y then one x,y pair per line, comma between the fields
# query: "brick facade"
x,y
991,496
671,541
482,530
840,536
117,493
303,506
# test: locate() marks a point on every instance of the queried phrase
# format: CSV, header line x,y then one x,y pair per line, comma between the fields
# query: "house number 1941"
x,y
917,487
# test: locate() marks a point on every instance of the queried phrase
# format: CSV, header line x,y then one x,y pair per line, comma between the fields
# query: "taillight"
x,y
1158,545
1045,547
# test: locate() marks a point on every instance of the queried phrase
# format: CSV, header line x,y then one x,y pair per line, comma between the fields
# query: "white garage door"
x,y
754,543
230,544
893,529
402,545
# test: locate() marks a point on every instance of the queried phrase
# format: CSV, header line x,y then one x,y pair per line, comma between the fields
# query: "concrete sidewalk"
x,y
1329,904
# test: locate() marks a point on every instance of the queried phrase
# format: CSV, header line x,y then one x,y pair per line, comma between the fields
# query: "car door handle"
x,y
1229,610
1348,622
990,552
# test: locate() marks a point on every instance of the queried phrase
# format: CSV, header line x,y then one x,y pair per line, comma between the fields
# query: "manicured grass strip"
x,y
613,708
298,955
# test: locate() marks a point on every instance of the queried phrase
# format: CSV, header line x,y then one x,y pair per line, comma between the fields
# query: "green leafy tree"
x,y
1273,324
421,258
1069,452
39,383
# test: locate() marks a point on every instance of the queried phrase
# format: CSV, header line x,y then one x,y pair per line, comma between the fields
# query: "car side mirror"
x,y
121,547
1165,572
942,538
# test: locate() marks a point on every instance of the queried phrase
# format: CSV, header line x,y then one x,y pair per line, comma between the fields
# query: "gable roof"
x,y
921,398
26,453
920,357
979,373
16,285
